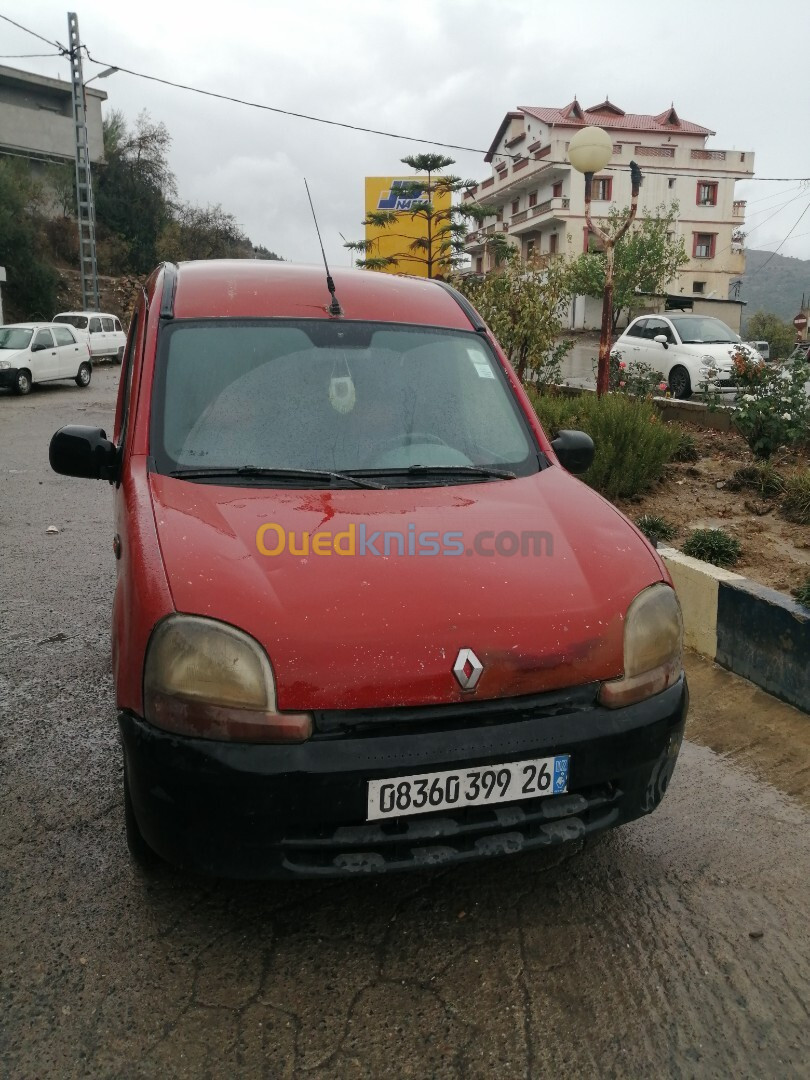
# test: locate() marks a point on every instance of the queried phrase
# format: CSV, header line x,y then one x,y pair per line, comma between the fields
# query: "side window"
x,y
63,336
44,337
637,329
95,326
656,327
117,325
107,326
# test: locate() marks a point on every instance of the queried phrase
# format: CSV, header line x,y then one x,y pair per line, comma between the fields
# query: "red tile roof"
x,y
608,115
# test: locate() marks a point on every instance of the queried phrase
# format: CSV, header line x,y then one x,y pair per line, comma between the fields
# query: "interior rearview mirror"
x,y
574,450
83,451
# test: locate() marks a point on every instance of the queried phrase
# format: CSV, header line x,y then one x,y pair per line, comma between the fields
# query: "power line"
x,y
782,242
62,50
28,55
359,127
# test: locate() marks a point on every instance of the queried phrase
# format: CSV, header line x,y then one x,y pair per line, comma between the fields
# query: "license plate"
x,y
424,793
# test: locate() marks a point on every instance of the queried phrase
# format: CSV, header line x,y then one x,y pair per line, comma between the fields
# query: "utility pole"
x,y
84,187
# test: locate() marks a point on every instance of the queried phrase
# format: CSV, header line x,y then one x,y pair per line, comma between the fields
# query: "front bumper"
x,y
253,811
8,376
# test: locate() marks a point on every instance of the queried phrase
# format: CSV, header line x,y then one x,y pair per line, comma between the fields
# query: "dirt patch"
x,y
695,495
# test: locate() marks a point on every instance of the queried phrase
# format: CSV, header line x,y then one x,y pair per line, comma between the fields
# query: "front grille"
x,y
443,838
451,717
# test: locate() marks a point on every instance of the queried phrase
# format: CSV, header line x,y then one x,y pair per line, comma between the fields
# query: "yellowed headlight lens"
x,y
653,648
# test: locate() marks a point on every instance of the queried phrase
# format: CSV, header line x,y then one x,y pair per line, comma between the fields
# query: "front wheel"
x,y
23,382
83,375
680,384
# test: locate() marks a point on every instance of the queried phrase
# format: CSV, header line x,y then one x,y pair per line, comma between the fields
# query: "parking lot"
x,y
677,946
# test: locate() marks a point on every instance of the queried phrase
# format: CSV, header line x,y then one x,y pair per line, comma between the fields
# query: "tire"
x,y
23,382
680,383
139,850
83,375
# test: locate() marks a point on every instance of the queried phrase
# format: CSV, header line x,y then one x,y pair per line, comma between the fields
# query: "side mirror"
x,y
662,340
38,347
574,450
83,451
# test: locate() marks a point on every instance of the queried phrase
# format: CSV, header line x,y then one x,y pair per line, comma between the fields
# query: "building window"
x,y
703,245
706,194
698,286
552,244
603,188
533,199
479,266
556,191
516,206
671,181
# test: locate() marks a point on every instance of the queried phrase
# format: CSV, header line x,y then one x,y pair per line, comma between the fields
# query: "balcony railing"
x,y
517,218
656,151
708,155
738,208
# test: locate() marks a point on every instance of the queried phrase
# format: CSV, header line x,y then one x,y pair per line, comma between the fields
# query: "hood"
x,y
14,355
367,630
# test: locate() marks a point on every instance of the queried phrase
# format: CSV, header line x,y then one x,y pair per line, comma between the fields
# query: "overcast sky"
x,y
446,70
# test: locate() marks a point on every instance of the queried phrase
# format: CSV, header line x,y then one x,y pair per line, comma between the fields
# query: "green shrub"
x,y
796,500
802,593
656,528
712,545
632,445
761,478
633,378
772,409
687,449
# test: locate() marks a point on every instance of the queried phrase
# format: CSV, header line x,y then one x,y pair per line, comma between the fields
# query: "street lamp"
x,y
589,151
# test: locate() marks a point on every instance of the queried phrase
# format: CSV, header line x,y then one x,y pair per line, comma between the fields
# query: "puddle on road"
x,y
749,727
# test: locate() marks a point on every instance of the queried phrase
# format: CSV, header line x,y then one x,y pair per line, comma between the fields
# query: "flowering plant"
x,y
773,408
635,379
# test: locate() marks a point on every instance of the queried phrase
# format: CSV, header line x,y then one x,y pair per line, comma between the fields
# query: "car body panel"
x,y
104,335
54,362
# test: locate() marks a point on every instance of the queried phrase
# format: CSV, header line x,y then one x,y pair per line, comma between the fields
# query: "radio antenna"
x,y
334,307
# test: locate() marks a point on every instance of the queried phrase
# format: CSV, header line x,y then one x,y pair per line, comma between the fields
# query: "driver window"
x,y
95,326
44,338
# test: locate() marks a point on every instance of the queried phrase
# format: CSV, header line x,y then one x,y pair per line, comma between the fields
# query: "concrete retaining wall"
x,y
756,632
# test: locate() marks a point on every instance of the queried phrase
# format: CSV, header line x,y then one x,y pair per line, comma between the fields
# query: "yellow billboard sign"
x,y
398,194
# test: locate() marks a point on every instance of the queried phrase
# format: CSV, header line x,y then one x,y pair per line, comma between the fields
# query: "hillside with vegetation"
x,y
140,221
776,287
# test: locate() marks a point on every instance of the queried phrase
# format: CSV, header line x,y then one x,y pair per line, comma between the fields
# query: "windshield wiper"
x,y
253,471
440,470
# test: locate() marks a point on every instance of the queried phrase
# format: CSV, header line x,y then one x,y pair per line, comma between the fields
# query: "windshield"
x,y
334,396
14,337
79,321
704,331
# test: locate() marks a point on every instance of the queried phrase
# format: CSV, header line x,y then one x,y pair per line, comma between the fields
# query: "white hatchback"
x,y
688,350
104,333
41,352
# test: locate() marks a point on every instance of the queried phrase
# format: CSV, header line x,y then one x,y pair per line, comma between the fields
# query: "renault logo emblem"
x,y
467,669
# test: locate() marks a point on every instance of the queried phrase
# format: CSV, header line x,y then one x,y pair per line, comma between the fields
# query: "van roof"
x,y
255,288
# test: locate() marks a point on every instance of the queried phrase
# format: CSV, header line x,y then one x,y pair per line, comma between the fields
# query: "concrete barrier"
x,y
756,632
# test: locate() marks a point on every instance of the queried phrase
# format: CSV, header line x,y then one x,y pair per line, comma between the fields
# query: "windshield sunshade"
x,y
336,398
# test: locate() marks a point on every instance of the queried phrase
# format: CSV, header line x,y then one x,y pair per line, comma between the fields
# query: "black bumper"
x,y
251,811
8,376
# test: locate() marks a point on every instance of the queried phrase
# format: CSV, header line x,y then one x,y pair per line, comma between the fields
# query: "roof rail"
x,y
169,289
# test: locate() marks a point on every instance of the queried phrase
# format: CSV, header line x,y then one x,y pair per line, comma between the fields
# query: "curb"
x,y
756,632
694,413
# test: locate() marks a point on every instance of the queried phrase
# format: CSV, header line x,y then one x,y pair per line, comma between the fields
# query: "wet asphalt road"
x,y
678,946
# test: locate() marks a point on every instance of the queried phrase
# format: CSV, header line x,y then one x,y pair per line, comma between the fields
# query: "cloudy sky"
x,y
444,70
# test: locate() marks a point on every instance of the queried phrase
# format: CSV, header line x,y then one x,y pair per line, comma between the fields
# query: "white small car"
x,y
41,352
688,350
104,333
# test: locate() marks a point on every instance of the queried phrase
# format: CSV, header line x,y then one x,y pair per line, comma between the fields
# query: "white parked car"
x,y
103,332
41,352
688,350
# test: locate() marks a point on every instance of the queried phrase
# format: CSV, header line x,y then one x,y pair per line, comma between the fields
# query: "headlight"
x,y
5,364
207,679
653,648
